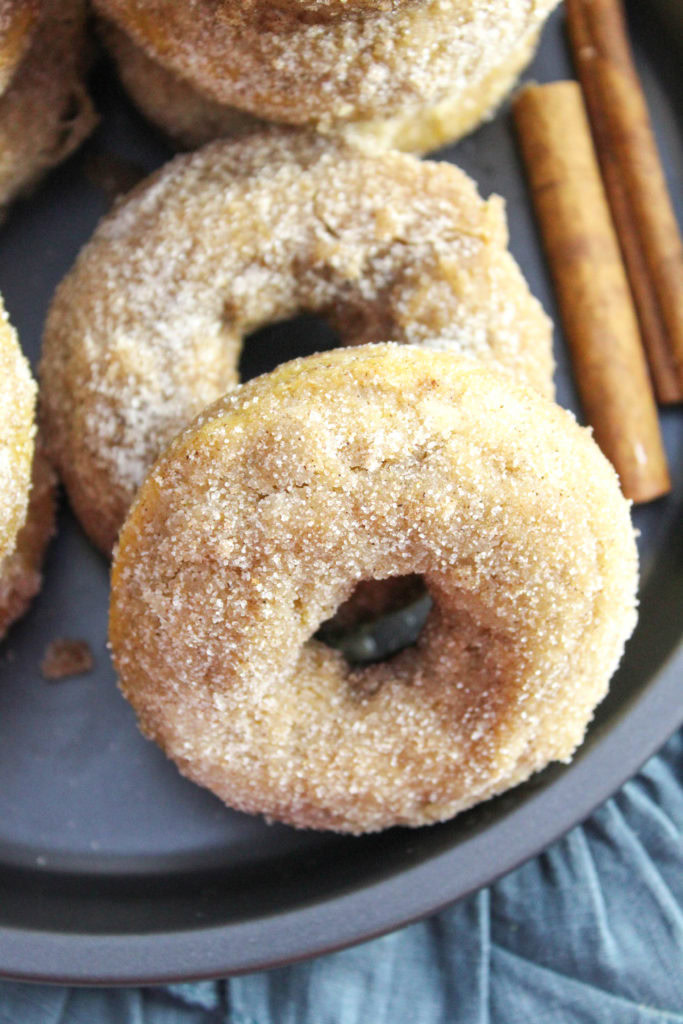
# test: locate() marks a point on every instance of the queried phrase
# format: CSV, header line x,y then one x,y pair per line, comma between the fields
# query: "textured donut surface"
x,y
288,64
17,401
147,328
45,111
369,463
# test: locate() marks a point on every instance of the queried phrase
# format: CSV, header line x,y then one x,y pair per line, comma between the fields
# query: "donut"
x,y
147,328
373,462
45,111
17,401
412,75
20,570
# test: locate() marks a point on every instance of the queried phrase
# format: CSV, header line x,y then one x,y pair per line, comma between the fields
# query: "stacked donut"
x,y
44,109
27,498
409,74
428,445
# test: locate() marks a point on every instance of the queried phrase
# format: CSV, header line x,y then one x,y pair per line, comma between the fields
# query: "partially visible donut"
x,y
20,570
18,21
17,402
147,328
327,65
261,517
45,111
191,118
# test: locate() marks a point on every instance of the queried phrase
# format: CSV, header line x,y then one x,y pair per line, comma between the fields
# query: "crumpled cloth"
x,y
589,932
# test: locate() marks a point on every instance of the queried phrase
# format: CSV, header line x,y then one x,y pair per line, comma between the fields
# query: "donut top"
x,y
17,399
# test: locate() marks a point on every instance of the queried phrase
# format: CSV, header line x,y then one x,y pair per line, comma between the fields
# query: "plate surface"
x,y
115,869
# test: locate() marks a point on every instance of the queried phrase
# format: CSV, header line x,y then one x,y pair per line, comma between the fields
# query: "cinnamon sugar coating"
x,y
20,570
17,401
45,111
192,118
261,517
289,64
147,328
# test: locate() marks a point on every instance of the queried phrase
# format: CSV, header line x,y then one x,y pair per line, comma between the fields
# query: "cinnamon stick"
x,y
591,284
635,183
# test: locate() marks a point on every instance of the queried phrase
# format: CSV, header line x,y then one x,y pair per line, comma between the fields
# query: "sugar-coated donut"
x,y
45,111
20,570
191,118
17,401
147,328
327,65
261,517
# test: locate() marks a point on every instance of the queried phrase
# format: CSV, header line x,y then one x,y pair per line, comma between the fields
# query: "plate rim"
x,y
384,905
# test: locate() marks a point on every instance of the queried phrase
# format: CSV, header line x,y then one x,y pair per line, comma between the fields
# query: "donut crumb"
x,y
66,657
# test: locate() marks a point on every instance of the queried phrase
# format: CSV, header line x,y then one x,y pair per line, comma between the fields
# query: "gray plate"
x,y
115,869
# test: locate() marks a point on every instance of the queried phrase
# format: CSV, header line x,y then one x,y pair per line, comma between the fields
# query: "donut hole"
x,y
379,619
455,631
279,342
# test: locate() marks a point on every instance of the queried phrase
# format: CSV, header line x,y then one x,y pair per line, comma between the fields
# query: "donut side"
x,y
187,116
17,404
258,520
20,570
426,127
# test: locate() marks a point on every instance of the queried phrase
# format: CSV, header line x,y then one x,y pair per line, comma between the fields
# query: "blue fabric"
x,y
589,932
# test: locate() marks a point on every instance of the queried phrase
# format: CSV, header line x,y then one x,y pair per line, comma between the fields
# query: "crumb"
x,y
65,657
